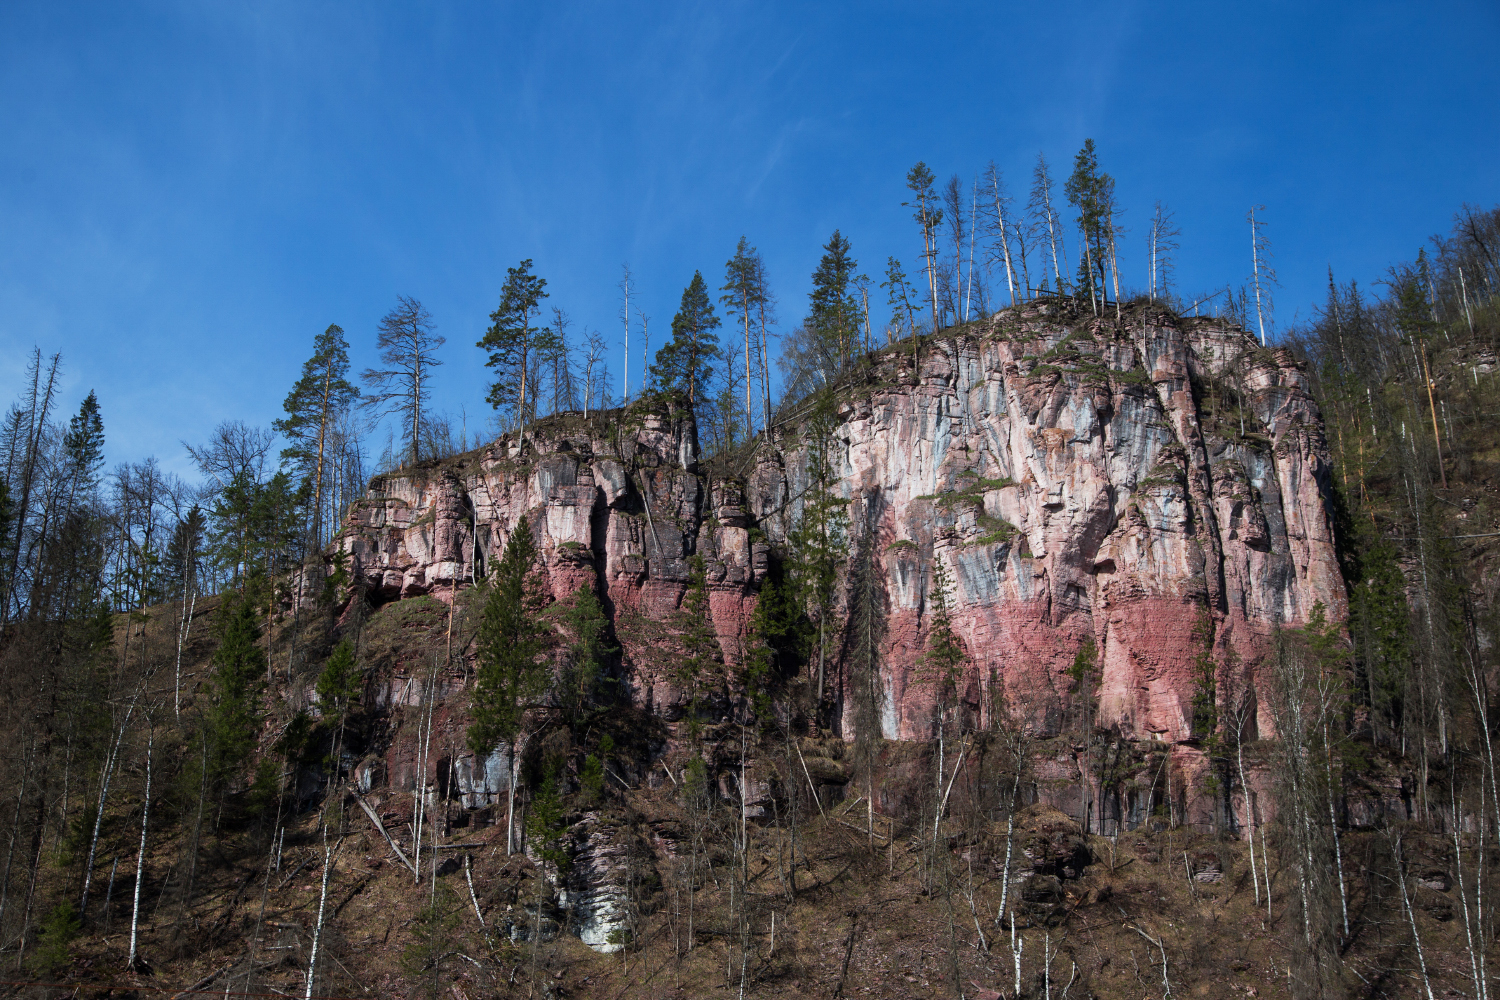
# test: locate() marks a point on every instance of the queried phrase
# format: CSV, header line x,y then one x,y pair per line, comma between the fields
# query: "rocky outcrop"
x,y
1153,486
1080,479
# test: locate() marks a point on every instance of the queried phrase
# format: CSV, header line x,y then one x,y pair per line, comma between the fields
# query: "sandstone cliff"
x,y
1079,477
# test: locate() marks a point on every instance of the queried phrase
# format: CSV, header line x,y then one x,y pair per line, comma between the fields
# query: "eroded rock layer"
x,y
1079,478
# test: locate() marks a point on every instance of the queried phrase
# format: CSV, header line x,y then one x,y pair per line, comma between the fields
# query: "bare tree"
x,y
560,361
1040,208
1000,203
594,347
31,421
1262,277
408,347
953,199
235,448
627,284
1163,243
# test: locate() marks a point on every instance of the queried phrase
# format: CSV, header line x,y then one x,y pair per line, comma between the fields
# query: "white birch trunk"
x,y
749,413
1010,277
973,218
1249,817
1411,919
1114,264
109,768
1155,225
312,961
140,858
1255,274
625,389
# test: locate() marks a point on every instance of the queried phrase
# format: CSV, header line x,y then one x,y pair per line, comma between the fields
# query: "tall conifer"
x,y
686,362
319,396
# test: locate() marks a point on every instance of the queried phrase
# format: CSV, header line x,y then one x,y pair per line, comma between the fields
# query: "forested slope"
x,y
588,713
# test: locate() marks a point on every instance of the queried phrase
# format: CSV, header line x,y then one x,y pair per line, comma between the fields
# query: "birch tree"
x,y
1162,240
1262,276
626,286
958,233
999,226
132,963
1040,208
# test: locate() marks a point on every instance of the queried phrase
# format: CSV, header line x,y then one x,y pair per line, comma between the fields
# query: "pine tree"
x,y
514,342
928,216
745,293
685,363
319,396
408,346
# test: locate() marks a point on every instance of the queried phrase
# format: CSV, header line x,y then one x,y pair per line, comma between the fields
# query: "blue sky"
x,y
190,192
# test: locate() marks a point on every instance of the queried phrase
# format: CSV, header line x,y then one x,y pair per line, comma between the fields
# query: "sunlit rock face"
x,y
1080,479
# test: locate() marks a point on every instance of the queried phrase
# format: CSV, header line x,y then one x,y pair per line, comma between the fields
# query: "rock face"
x,y
1079,478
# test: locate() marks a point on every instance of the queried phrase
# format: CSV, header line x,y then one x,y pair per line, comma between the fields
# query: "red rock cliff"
x,y
1079,478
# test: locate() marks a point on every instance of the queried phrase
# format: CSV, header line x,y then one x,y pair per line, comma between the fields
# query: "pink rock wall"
x,y
1091,494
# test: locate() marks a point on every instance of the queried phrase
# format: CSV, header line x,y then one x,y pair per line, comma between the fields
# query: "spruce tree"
x,y
834,316
780,637
338,687
238,679
1205,704
339,684
1091,191
819,545
83,448
1085,677
685,364
944,658
700,640
583,678
512,673
864,641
